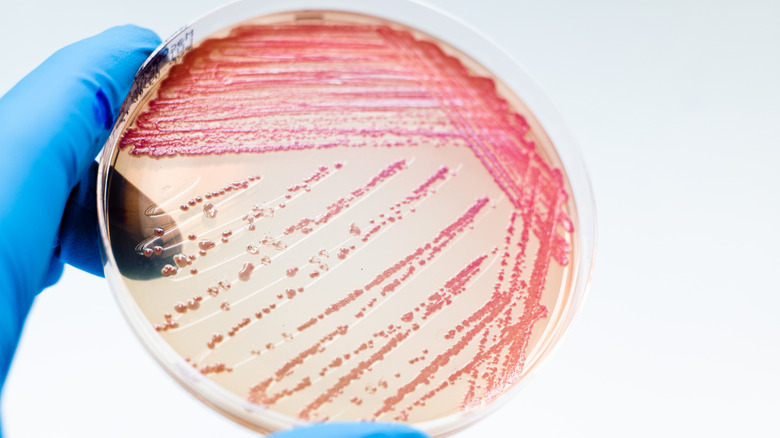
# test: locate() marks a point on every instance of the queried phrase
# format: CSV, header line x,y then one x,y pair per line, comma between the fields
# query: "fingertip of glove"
x,y
108,61
122,50
133,35
119,42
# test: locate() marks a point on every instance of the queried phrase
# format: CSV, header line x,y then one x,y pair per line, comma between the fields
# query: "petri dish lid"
x,y
343,210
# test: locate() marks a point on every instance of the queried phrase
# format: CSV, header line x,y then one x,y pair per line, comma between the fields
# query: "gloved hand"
x,y
52,125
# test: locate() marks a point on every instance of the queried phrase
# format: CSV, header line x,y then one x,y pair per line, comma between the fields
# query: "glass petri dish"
x,y
333,210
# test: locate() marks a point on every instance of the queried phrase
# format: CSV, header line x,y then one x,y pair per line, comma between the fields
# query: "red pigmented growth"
x,y
216,368
370,87
307,224
169,270
209,210
241,324
246,271
215,339
181,260
191,90
206,245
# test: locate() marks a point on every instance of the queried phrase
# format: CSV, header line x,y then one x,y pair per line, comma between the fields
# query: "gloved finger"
x,y
352,430
54,122
78,237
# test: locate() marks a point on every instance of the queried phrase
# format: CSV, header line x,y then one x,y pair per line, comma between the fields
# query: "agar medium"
x,y
334,214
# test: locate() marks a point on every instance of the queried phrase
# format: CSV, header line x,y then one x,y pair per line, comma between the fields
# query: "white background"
x,y
676,106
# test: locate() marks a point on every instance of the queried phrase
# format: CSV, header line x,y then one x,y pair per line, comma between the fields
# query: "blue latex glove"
x,y
52,126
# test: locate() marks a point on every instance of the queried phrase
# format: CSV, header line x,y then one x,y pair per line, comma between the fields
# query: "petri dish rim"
x,y
428,20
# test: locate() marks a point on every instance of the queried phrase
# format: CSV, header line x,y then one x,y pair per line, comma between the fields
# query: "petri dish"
x,y
342,211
